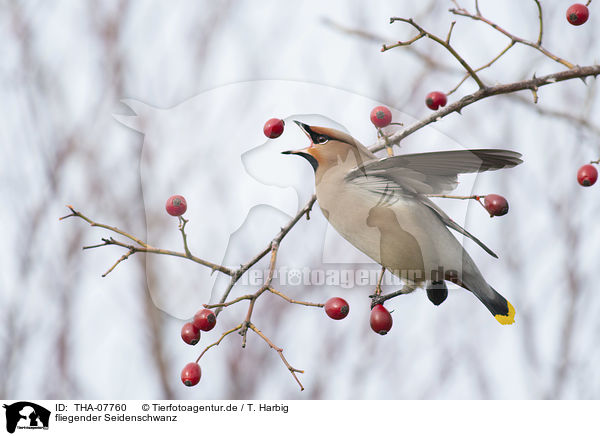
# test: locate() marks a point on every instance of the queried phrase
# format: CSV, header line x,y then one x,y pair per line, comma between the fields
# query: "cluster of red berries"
x,y
204,320
577,14
381,319
587,175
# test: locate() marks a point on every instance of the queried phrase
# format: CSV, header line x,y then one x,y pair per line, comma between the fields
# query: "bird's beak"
x,y
292,152
305,152
306,129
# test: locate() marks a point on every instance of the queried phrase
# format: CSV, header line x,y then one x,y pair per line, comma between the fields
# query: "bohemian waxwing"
x,y
381,207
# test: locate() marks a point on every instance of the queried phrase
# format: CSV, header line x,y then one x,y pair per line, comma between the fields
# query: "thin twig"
x,y
279,350
121,259
379,299
539,6
445,44
228,332
74,213
386,47
460,197
489,64
142,246
182,223
291,300
229,303
246,324
457,197
372,37
378,286
478,17
450,32
277,239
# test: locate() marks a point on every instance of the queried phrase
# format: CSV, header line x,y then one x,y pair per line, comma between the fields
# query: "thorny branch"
x,y
531,84
235,275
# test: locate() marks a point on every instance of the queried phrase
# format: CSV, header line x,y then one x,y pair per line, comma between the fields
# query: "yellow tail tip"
x,y
509,318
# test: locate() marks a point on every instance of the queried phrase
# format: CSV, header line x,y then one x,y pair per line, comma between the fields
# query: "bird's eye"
x,y
321,139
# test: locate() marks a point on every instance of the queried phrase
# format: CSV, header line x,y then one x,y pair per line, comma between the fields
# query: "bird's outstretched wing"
x,y
435,172
391,191
415,175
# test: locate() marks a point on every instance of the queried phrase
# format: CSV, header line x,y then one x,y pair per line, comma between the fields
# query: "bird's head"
x,y
328,147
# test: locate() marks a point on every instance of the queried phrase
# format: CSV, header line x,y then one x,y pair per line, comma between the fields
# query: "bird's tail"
x,y
503,311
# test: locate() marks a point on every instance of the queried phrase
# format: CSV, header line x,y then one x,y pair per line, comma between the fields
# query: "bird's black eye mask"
x,y
319,138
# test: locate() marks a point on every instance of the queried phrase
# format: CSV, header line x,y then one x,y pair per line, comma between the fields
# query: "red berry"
x,y
205,320
190,375
587,175
273,128
496,205
577,14
336,308
381,320
381,116
190,333
435,100
176,205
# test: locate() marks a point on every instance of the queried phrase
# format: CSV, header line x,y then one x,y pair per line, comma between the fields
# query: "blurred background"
x,y
66,332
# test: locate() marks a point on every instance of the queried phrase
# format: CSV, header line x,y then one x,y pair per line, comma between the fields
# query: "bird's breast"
x,y
400,234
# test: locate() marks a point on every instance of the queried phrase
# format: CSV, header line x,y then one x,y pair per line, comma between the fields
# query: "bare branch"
x,y
478,17
445,44
228,332
450,32
121,259
378,286
576,72
276,240
457,197
182,223
74,213
379,299
292,370
142,247
386,47
541,33
290,300
489,64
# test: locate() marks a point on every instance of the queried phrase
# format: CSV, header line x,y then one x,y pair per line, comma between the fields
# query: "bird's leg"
x,y
379,299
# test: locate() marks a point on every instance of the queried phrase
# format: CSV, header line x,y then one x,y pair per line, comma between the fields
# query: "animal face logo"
x,y
26,415
241,190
